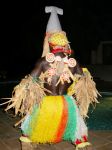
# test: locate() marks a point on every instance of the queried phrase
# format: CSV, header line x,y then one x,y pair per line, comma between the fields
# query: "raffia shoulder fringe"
x,y
84,89
86,93
25,95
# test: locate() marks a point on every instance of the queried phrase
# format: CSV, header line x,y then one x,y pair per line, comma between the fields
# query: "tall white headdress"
x,y
53,22
52,26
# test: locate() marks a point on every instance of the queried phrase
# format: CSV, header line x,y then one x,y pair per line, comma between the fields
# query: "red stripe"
x,y
57,50
63,122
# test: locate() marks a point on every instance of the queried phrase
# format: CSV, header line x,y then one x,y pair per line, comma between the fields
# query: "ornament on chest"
x,y
59,67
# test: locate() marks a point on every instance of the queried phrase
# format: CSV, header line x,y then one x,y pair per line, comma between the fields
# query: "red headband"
x,y
57,50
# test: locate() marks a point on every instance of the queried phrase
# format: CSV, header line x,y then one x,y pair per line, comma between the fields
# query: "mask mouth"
x,y
62,50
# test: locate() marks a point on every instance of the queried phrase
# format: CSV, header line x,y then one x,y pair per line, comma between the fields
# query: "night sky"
x,y
23,26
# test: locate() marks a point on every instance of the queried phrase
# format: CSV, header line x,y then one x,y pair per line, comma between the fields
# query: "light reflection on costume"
x,y
56,96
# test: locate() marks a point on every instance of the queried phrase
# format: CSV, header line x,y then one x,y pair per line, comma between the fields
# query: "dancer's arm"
x,y
78,69
38,68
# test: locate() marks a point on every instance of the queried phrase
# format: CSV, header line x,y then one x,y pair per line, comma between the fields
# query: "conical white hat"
x,y
52,26
53,22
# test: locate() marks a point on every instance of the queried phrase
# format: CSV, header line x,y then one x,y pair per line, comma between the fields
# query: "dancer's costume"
x,y
48,118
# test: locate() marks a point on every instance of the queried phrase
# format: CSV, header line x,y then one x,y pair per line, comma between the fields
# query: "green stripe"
x,y
70,130
26,125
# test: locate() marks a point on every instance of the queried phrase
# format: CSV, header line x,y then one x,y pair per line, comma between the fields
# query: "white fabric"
x,y
53,22
81,129
81,126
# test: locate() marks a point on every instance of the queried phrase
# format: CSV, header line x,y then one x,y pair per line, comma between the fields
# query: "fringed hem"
x,y
53,121
57,119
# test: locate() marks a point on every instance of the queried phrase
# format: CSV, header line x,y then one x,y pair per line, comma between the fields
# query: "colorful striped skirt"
x,y
57,118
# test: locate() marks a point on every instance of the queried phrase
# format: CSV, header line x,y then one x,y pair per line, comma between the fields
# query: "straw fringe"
x,y
86,93
25,95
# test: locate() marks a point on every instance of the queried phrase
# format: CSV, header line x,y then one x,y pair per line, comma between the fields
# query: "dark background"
x,y
23,25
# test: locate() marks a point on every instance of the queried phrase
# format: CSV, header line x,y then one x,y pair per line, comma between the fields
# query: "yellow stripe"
x,y
48,119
